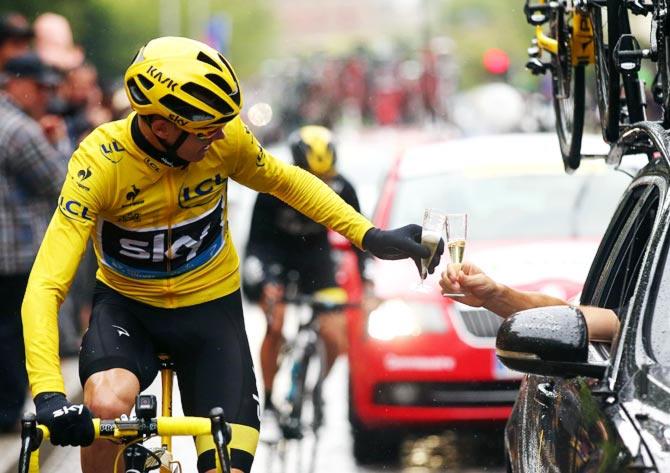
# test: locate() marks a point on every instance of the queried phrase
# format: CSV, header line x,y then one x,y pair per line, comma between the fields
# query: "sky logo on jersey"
x,y
112,151
161,253
74,210
202,193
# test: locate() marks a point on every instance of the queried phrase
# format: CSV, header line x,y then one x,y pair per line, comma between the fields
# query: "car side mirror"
x,y
549,341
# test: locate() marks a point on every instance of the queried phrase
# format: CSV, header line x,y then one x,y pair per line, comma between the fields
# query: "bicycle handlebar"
x,y
33,434
169,426
320,305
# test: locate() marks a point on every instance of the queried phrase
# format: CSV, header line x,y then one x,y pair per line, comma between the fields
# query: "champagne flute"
x,y
431,233
457,229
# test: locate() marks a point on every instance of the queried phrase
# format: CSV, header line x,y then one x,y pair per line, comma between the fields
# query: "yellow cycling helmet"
x,y
184,81
313,149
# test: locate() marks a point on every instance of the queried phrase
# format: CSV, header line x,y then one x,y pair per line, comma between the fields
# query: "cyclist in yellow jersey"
x,y
150,191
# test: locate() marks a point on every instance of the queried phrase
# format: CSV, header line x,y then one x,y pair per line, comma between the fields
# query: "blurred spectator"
x,y
120,104
393,87
81,108
15,36
54,42
82,96
31,173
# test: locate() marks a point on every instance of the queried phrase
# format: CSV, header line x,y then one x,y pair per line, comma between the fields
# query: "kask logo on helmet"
x,y
158,75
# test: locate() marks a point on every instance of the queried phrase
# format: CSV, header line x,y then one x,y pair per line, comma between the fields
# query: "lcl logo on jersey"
x,y
201,193
74,209
112,151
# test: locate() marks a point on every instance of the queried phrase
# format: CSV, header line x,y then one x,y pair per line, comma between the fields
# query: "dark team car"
x,y
601,407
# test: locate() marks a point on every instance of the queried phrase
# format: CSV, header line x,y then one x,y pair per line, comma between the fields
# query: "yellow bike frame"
x,y
582,48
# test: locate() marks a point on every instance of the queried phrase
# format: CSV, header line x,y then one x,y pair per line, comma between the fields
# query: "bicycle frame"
x,y
582,50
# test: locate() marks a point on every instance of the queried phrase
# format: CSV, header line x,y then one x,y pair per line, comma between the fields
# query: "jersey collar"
x,y
149,149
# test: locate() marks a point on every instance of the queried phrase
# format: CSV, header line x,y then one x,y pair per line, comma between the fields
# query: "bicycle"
x,y
132,432
569,44
303,359
581,34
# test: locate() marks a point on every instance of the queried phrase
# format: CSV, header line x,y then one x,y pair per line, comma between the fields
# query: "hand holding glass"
x,y
431,233
457,228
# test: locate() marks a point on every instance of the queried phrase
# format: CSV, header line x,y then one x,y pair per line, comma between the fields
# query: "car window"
x,y
616,267
515,206
626,267
657,326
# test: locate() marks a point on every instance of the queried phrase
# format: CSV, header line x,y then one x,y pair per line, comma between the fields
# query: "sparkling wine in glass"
x,y
431,233
457,229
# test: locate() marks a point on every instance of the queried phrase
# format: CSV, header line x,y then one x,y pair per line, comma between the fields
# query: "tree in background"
x,y
111,31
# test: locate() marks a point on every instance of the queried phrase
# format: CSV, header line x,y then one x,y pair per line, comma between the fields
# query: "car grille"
x,y
430,394
479,322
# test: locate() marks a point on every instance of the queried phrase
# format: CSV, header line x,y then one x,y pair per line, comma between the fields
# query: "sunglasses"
x,y
207,135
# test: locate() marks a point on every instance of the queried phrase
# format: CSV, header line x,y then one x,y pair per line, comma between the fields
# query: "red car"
x,y
419,360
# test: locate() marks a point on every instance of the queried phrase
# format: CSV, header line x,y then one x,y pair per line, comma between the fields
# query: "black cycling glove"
x,y
400,243
68,424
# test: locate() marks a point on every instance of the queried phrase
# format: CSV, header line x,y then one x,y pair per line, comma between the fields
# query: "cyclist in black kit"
x,y
284,243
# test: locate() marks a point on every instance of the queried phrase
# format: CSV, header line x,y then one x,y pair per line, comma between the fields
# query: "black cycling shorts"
x,y
207,343
314,267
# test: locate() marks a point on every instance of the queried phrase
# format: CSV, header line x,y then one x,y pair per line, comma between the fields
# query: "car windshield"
x,y
515,206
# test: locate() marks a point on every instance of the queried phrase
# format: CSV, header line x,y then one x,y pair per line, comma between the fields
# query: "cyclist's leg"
x,y
215,369
271,301
333,328
263,284
317,277
116,360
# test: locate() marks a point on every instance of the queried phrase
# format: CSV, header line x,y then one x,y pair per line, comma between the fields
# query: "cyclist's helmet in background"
x,y
313,149
184,81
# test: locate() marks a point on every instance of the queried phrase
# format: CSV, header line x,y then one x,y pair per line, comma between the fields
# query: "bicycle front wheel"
x,y
568,94
608,85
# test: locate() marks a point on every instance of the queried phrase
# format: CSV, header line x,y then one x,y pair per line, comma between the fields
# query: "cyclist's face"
x,y
196,146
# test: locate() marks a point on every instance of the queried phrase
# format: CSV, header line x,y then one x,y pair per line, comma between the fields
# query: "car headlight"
x,y
395,318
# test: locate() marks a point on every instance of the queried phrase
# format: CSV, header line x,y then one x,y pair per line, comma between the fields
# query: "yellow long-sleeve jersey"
x,y
160,233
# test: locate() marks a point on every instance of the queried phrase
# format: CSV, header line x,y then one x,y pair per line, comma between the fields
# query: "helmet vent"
x,y
205,58
145,82
222,120
208,97
225,87
136,93
227,64
184,109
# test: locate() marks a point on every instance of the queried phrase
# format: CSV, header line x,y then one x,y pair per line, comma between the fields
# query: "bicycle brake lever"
x,y
221,433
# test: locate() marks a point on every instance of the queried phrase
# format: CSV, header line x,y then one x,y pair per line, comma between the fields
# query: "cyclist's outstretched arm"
x,y
307,193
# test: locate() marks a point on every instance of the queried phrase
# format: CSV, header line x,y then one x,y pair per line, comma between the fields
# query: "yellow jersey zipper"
x,y
168,248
